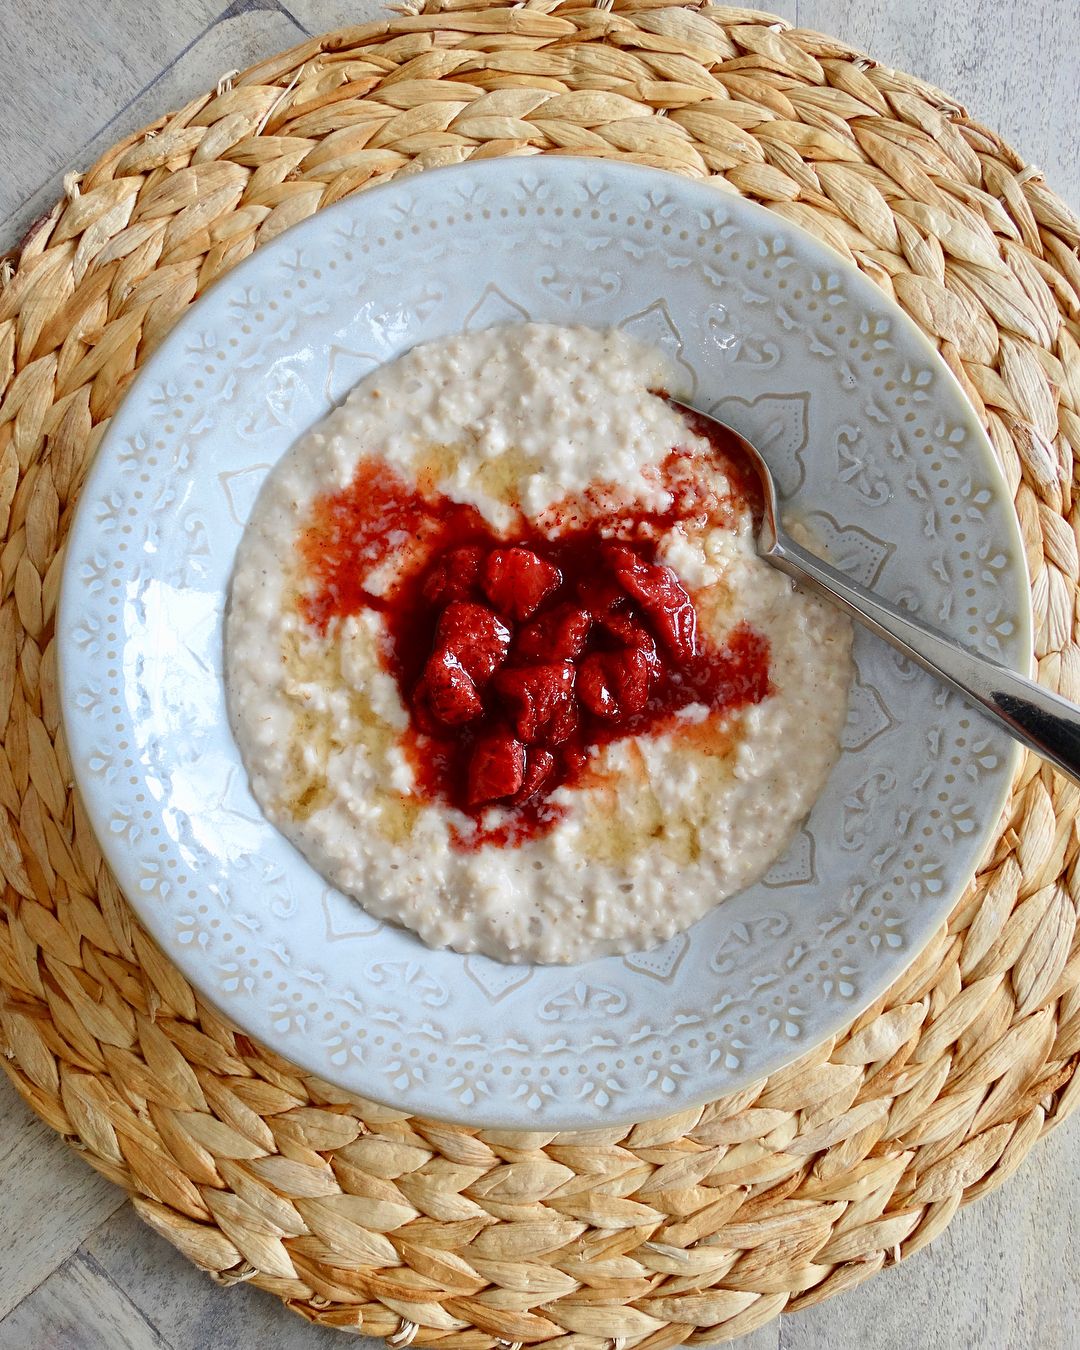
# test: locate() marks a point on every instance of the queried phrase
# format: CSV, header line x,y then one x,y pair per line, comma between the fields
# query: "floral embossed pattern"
x,y
859,419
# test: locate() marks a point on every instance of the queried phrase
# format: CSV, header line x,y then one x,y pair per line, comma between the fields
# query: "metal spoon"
x,y
1043,721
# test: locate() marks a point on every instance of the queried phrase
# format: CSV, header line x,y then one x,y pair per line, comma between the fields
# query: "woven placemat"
x,y
709,1223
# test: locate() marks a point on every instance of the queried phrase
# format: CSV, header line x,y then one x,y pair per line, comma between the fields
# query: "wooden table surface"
x,y
78,1271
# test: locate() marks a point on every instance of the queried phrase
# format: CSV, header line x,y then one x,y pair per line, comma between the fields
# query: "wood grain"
x,y
51,1200
78,1308
79,1273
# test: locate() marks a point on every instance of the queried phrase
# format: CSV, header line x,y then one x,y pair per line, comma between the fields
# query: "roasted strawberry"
x,y
497,767
600,594
662,596
535,696
424,719
454,575
475,636
448,690
538,767
559,635
614,684
517,581
563,723
626,626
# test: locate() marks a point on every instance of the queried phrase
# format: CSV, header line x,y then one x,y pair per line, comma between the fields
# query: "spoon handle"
x,y
1043,721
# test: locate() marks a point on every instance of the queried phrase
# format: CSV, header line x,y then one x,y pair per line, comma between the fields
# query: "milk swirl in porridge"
x,y
502,661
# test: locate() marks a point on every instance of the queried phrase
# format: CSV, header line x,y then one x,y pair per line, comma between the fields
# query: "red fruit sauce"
x,y
516,654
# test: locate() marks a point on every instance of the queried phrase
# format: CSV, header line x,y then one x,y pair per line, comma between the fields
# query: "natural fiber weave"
x,y
707,1224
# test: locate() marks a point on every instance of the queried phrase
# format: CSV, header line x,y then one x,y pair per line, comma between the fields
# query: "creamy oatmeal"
x,y
503,664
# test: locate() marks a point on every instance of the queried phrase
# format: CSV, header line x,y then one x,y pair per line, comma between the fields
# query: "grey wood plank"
x,y
51,1199
323,16
78,1308
242,35
65,78
187,1308
1001,1276
1013,64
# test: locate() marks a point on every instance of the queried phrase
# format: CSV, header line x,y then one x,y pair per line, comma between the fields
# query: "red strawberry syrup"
x,y
518,654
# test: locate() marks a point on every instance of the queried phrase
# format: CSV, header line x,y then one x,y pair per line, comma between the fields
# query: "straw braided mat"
x,y
709,1223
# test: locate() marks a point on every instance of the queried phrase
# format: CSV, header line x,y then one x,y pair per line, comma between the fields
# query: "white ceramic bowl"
x,y
859,418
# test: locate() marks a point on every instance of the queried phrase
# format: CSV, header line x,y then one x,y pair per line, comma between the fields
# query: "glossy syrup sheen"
x,y
380,516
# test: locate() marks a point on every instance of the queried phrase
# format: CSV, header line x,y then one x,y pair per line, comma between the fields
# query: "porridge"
x,y
502,661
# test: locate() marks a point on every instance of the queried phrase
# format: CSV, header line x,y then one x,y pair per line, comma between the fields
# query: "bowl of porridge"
x,y
502,661
424,690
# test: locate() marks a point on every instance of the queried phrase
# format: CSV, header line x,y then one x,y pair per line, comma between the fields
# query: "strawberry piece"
x,y
601,595
536,696
662,596
497,767
559,635
614,684
563,724
454,575
517,581
475,636
630,631
448,690
424,718
538,767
